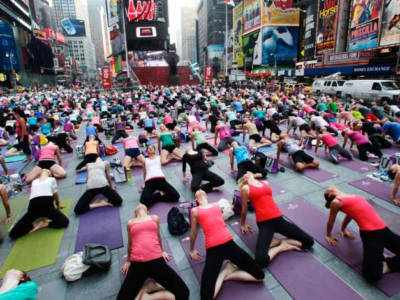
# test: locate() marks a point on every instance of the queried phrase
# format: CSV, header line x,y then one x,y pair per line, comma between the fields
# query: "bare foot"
x,y
285,246
275,242
42,223
101,203
294,243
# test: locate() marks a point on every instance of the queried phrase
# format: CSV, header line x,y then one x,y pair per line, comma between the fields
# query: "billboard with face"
x,y
390,28
326,29
238,54
279,44
364,24
251,15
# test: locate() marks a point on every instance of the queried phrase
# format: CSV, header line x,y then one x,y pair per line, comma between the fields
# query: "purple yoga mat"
x,y
226,168
288,268
392,219
173,164
231,289
313,221
318,175
100,226
390,151
161,209
374,187
277,189
222,193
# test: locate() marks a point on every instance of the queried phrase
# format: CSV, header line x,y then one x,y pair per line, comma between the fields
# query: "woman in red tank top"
x,y
269,221
146,260
220,246
374,233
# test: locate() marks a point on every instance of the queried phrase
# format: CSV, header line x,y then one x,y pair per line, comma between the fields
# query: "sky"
x,y
175,16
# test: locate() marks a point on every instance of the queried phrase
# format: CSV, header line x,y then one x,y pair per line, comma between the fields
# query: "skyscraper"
x,y
188,33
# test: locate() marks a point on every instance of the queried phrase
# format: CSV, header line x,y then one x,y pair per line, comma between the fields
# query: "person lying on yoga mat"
x,y
222,132
147,261
331,145
375,234
255,139
47,160
91,153
166,146
197,137
362,143
156,188
41,211
295,151
6,203
269,221
17,285
133,156
98,182
394,174
199,167
244,162
120,132
219,246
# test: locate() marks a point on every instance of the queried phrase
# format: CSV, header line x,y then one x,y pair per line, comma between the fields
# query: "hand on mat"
x,y
332,241
6,220
195,255
166,256
348,234
125,267
246,228
396,201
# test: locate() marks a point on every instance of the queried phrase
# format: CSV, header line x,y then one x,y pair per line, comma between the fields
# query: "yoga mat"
x,y
215,196
119,146
374,187
100,226
17,206
173,164
267,149
392,219
390,151
313,221
81,177
161,209
277,189
230,289
17,166
36,250
318,175
15,158
288,268
226,168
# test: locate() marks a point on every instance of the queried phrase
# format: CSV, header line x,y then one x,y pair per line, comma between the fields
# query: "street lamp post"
x,y
10,55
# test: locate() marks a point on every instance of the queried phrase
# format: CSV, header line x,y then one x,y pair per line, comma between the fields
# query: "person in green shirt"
x,y
167,146
197,137
333,107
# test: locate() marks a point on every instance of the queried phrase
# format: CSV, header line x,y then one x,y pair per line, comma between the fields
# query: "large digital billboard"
x,y
8,49
390,29
238,54
310,31
73,27
249,47
364,24
275,13
252,17
327,23
279,44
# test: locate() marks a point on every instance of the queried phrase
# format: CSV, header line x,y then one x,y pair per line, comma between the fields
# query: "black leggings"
x,y
266,230
249,166
215,257
39,207
379,141
208,147
89,158
119,134
213,180
272,126
83,204
368,147
149,197
157,270
374,242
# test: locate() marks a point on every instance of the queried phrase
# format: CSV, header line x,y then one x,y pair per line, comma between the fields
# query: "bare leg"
x,y
283,247
126,162
4,165
3,142
4,198
13,152
100,203
165,157
252,143
58,171
42,223
33,174
177,153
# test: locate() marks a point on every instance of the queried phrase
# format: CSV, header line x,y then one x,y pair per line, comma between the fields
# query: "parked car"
x,y
332,87
372,90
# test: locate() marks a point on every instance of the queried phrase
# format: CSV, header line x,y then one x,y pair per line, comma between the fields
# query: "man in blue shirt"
x,y
393,130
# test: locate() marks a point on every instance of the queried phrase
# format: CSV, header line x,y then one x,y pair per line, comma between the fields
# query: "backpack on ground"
x,y
73,267
177,225
98,257
111,150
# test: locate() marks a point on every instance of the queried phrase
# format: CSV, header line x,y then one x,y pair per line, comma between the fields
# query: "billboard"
x,y
390,28
364,24
249,46
238,54
73,27
209,73
112,12
8,49
106,78
279,13
326,29
145,10
251,15
310,31
280,44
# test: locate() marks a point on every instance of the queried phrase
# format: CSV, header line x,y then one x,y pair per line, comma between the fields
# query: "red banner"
x,y
208,74
106,78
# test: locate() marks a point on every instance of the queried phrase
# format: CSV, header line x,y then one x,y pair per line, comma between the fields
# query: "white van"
x,y
331,87
372,90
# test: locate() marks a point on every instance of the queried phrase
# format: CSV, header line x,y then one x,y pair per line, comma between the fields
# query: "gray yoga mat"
x,y
288,268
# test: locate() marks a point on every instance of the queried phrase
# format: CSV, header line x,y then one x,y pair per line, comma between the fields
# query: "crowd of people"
x,y
151,123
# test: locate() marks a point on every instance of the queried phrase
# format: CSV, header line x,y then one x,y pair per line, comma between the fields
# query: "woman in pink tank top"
x,y
47,160
146,260
335,150
219,246
374,233
133,157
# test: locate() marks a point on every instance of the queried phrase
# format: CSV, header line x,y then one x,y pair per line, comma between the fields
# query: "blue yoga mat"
x,y
81,177
15,158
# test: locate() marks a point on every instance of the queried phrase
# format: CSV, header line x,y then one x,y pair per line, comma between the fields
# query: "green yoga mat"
x,y
15,158
17,206
36,250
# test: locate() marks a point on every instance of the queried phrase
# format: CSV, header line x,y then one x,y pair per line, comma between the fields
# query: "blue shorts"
x,y
132,152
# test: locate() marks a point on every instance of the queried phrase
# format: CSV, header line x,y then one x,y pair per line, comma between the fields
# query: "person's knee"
x,y
183,293
220,181
63,223
307,243
79,210
262,260
372,275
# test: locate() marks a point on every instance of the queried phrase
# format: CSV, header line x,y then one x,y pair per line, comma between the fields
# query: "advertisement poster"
x,y
73,27
310,30
208,74
112,12
145,10
251,15
238,54
277,14
249,46
106,78
8,49
280,44
215,53
390,29
326,30
364,24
